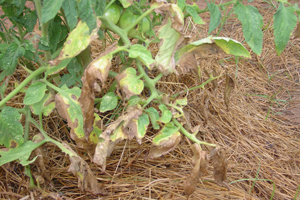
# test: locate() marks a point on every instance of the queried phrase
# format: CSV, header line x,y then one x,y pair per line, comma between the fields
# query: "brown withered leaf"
x,y
228,89
200,161
165,146
86,180
297,31
220,165
187,64
97,70
205,109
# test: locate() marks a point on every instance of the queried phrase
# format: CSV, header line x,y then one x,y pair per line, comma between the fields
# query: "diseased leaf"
x,y
96,132
166,140
200,161
284,23
252,22
154,117
143,123
141,52
228,89
50,9
97,70
215,17
86,179
169,42
22,153
166,115
45,106
70,10
220,165
35,93
129,82
11,130
109,102
192,11
231,46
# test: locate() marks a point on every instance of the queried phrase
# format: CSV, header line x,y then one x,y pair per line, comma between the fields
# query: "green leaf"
x,y
284,23
165,55
22,152
125,3
35,93
134,100
182,102
71,79
167,131
166,115
86,14
154,117
11,57
130,82
57,68
193,12
30,21
215,17
109,102
142,53
42,107
69,108
11,130
143,123
55,30
252,22
96,132
181,4
50,9
78,40
231,46
70,9
99,8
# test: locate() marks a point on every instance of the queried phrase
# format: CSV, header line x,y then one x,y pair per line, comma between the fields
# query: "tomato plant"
x,y
59,78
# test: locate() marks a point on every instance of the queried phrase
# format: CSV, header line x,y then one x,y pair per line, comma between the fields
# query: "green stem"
x,y
191,136
211,78
23,84
109,4
26,129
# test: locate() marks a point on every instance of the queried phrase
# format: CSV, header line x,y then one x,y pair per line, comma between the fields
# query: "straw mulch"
x,y
259,131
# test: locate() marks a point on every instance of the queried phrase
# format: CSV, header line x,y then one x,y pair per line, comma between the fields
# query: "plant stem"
x,y
23,84
26,129
191,136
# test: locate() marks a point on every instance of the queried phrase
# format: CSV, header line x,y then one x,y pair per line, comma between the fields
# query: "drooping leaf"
x,y
11,130
166,115
11,57
166,140
220,165
169,42
284,23
193,12
77,41
45,106
35,93
215,17
55,31
141,52
68,108
22,153
97,70
99,8
87,181
50,9
109,102
86,14
231,46
252,22
70,10
154,117
200,161
129,82
228,89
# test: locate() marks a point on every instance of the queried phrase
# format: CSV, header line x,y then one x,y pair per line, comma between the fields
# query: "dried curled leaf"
x,y
200,161
228,89
86,180
220,164
97,70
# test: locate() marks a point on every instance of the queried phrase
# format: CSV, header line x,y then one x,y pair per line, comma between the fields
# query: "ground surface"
x,y
259,131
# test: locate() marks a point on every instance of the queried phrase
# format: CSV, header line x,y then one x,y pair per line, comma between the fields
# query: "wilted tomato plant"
x,y
67,30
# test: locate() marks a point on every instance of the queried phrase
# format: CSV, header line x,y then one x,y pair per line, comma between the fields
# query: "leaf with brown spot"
x,y
228,89
200,161
297,31
166,140
220,165
97,70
